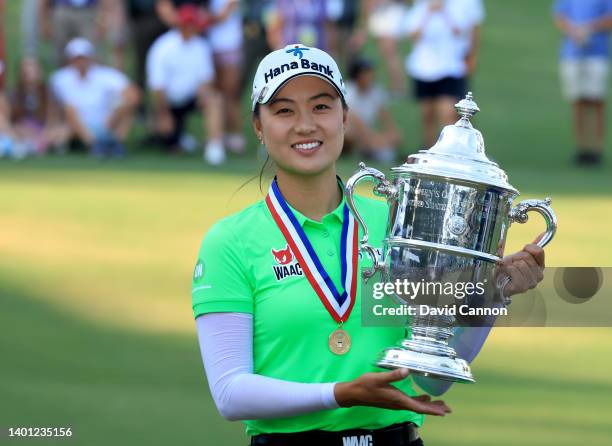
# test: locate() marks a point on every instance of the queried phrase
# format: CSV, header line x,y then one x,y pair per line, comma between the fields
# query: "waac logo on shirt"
x,y
285,266
357,440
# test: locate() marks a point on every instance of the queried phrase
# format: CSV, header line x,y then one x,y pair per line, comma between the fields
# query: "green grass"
x,y
96,259
111,385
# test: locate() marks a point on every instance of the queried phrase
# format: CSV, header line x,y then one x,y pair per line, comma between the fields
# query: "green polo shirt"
x,y
244,266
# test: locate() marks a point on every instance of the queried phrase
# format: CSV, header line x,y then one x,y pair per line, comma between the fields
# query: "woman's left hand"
x,y
525,269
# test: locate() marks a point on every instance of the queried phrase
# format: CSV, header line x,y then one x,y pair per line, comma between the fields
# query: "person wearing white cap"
x,y
62,20
99,101
180,74
264,328
274,289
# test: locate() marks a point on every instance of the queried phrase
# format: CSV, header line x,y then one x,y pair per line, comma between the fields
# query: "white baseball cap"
x,y
79,47
280,66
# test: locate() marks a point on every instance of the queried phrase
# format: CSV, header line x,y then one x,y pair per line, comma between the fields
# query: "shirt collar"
x,y
337,214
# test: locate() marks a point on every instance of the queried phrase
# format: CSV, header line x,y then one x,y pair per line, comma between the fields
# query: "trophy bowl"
x,y
450,208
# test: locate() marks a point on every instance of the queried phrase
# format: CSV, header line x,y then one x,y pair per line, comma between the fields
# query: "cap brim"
x,y
270,94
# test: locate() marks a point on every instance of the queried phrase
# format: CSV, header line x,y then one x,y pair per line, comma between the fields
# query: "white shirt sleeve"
x,y
155,65
413,19
207,72
56,87
226,345
115,80
478,12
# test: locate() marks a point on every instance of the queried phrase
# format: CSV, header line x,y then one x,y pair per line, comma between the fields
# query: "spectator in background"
x,y
33,123
114,25
255,46
98,101
4,108
180,73
298,21
225,36
2,49
342,18
168,10
2,54
384,20
30,26
63,20
437,62
6,140
584,68
144,27
371,129
475,15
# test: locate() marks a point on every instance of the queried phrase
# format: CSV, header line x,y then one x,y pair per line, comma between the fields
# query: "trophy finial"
x,y
466,107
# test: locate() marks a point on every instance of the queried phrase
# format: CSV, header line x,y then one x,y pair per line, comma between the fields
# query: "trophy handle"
x,y
382,188
519,214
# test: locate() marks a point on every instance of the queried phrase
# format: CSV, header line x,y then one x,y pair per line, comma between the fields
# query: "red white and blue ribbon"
x,y
339,304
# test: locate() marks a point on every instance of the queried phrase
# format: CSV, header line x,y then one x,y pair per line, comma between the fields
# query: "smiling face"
x,y
303,126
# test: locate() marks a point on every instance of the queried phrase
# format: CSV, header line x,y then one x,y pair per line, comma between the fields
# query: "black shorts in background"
x,y
180,114
447,86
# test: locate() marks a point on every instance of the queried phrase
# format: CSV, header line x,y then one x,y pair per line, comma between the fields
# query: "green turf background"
x,y
96,259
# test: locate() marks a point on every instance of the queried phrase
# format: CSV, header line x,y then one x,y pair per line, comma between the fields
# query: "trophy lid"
x,y
459,153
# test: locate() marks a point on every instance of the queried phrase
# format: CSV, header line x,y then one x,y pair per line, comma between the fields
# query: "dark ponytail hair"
x,y
267,163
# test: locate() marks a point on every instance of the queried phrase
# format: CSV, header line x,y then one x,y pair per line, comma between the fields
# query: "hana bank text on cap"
x,y
280,66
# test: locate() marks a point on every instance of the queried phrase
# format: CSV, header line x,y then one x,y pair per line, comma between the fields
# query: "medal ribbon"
x,y
339,305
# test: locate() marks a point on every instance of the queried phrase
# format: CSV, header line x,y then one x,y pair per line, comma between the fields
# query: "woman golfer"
x,y
275,285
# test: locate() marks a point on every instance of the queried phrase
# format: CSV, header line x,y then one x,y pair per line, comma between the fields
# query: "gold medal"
x,y
339,341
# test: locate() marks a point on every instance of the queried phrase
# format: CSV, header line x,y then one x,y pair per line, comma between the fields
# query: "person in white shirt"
x,y
475,11
4,107
384,19
225,37
99,101
371,129
437,62
180,73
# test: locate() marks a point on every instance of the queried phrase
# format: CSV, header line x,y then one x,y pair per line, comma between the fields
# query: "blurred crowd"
x,y
161,62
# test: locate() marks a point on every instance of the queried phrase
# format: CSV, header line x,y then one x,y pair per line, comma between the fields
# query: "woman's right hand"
x,y
375,389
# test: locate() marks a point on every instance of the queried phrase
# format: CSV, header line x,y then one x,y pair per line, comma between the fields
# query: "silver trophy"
x,y
450,208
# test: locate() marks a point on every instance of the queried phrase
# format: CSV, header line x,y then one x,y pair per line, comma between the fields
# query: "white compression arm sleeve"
x,y
226,344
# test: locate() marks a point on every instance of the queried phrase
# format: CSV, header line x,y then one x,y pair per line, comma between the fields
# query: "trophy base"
x,y
425,364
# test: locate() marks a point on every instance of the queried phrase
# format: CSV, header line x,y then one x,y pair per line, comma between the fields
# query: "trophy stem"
x,y
430,334
427,353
